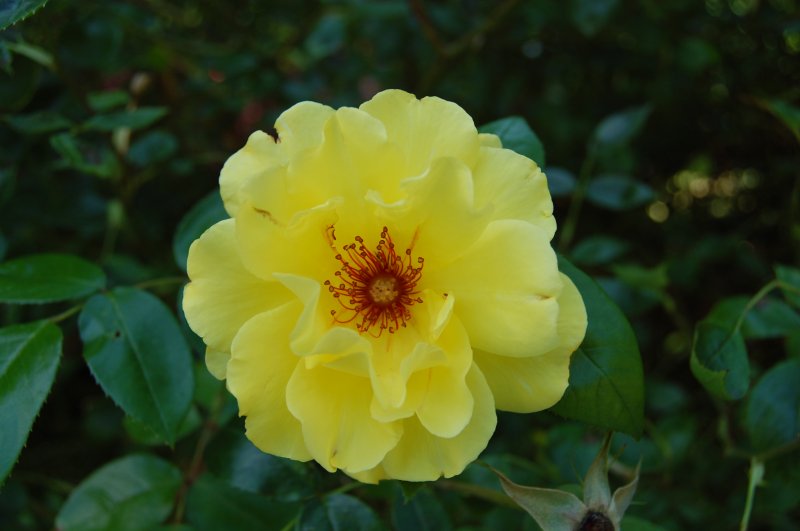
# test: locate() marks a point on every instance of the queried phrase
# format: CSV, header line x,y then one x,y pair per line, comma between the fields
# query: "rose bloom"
x,y
384,283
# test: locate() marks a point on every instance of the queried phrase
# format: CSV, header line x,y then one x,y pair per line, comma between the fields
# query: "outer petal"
x,y
525,385
425,129
259,154
505,287
490,140
421,456
259,369
217,363
515,187
300,127
222,294
339,431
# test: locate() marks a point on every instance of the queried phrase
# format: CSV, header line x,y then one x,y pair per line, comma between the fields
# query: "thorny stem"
x,y
574,212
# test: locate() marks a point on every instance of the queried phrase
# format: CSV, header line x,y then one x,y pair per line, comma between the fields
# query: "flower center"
x,y
375,289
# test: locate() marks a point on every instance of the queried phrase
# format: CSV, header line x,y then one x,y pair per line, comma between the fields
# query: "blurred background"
x,y
696,204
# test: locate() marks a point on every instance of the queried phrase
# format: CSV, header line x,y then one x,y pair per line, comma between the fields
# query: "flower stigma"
x,y
378,287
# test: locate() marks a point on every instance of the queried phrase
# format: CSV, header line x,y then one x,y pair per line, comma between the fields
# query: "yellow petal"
x,y
354,157
505,287
489,140
268,245
514,187
259,369
421,456
260,154
339,431
438,220
222,294
571,315
217,363
425,129
300,127
525,385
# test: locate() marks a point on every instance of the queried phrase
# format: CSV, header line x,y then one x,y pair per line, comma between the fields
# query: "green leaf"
x,y
606,384
141,434
29,355
48,278
424,512
790,278
213,505
517,135
84,157
772,414
560,181
231,457
591,15
618,192
598,250
770,318
338,512
205,213
619,128
135,492
719,360
17,89
38,122
138,355
12,11
787,113
132,119
155,146
327,36
108,99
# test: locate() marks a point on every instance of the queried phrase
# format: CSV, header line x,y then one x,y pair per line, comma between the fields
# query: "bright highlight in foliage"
x,y
385,282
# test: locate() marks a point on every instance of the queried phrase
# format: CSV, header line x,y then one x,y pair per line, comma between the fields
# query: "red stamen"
x,y
380,287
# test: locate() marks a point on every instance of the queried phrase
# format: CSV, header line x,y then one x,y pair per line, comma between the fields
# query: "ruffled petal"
x,y
260,154
437,221
269,245
514,187
222,294
339,431
422,456
258,372
425,129
525,385
505,287
300,127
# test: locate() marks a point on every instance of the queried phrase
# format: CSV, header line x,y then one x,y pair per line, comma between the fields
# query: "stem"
x,y
756,475
66,314
196,467
755,299
574,212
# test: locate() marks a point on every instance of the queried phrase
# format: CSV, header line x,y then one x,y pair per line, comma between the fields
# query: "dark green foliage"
x,y
671,130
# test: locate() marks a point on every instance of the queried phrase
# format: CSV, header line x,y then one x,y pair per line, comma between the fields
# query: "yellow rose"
x,y
384,283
